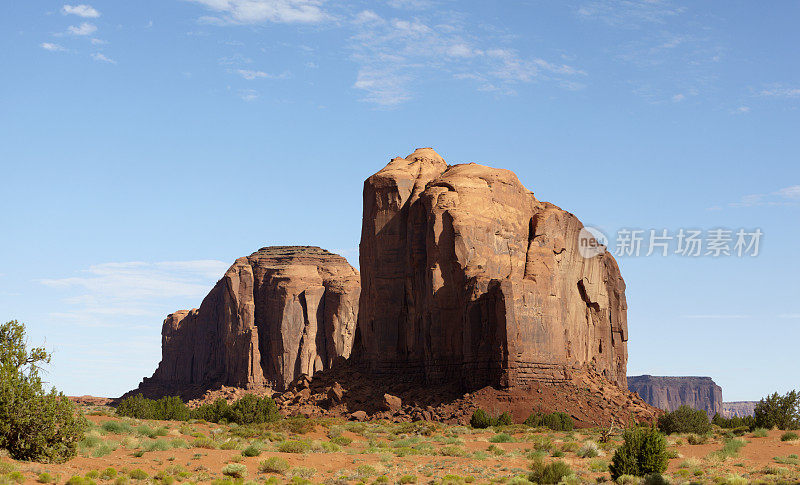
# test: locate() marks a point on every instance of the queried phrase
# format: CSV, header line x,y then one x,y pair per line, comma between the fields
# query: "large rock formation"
x,y
670,393
276,314
738,409
467,277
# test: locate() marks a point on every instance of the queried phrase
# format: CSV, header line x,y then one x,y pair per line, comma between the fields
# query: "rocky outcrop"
x,y
738,409
279,313
670,393
467,277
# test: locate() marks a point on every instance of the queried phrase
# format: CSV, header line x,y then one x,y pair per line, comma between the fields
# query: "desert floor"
x,y
123,450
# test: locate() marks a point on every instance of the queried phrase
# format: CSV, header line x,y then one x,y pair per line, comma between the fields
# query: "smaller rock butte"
x,y
282,312
671,392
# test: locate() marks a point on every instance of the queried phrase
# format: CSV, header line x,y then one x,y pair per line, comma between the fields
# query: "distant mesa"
x,y
671,392
738,409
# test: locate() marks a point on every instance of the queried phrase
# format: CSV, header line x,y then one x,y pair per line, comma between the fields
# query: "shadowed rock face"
x,y
467,277
670,393
739,409
276,314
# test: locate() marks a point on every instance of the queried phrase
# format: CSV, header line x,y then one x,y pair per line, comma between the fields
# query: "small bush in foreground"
x,y
644,451
252,450
273,464
553,472
684,420
557,421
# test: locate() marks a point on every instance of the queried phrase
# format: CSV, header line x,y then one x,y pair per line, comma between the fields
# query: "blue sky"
x,y
145,145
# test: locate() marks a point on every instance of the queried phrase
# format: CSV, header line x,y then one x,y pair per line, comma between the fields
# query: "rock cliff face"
x,y
738,409
276,314
670,393
467,277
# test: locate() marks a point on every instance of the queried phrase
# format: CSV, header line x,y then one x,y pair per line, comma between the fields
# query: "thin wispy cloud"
x,y
780,91
249,94
251,75
82,29
85,11
110,293
48,46
257,11
393,54
787,196
97,56
630,14
96,41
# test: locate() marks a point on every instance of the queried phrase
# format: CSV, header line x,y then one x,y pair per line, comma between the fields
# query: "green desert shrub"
x,y
734,422
249,409
252,450
293,446
137,474
117,427
643,452
44,477
552,472
273,464
504,419
501,438
684,420
480,419
789,436
34,424
234,470
776,411
557,421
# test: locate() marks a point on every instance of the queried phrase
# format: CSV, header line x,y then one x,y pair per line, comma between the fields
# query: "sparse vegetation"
x,y
790,436
480,419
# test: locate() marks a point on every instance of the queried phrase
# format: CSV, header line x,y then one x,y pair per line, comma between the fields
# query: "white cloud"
x,y
83,29
99,42
787,196
394,55
105,293
780,91
789,315
85,11
410,4
102,58
251,75
257,11
678,98
51,47
630,13
249,94
743,109
367,17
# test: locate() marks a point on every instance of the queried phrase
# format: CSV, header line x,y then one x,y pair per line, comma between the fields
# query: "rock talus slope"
x,y
276,314
466,276
671,392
